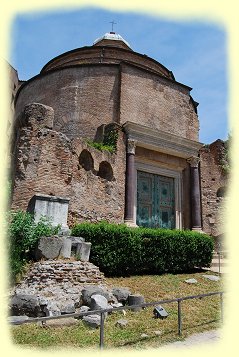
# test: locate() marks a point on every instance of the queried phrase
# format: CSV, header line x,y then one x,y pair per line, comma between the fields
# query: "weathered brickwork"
x,y
57,272
157,103
48,162
213,184
83,98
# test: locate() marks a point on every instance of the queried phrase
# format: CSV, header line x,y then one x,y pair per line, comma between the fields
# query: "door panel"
x,y
155,200
145,198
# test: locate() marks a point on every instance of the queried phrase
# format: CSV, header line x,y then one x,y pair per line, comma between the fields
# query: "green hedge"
x,y
120,251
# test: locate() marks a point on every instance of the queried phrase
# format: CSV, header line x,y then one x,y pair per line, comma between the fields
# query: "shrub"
x,y
23,235
116,249
119,250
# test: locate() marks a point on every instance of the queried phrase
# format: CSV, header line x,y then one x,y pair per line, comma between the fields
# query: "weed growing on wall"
x,y
109,142
224,160
101,146
23,234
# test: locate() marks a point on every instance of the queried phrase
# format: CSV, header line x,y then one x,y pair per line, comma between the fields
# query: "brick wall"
x,y
47,162
83,98
212,179
155,102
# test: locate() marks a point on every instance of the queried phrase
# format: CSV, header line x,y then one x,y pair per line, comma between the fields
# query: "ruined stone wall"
x,y
83,98
213,184
155,102
48,162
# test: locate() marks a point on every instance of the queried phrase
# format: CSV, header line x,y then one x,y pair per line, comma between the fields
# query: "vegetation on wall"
x,y
101,146
224,156
23,235
121,251
111,137
109,142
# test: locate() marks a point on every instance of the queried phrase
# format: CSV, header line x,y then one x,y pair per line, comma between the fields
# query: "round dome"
x,y
112,36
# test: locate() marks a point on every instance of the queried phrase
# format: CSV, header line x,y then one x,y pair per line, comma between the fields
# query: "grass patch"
x,y
197,316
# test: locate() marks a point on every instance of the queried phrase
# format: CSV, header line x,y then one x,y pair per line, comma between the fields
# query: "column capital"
x,y
131,145
193,161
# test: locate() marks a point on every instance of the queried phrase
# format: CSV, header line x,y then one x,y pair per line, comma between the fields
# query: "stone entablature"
x,y
159,140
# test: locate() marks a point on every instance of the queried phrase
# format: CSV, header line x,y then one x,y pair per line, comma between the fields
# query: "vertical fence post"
x,y
179,319
221,303
102,318
219,262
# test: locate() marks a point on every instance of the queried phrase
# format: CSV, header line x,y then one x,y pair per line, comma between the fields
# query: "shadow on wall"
x,y
86,161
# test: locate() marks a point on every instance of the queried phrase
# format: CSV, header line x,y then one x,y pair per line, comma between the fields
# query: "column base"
x,y
130,223
197,229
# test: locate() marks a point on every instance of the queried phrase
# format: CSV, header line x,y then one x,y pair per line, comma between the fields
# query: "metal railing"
x,y
220,255
102,312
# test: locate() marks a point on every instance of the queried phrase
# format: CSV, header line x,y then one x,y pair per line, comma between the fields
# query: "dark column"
x,y
130,183
195,194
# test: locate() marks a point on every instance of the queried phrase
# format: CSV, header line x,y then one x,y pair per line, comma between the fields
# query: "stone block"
x,y
92,320
49,247
136,299
98,302
121,323
66,248
212,277
25,304
90,290
82,309
76,240
52,309
83,251
66,307
191,281
52,207
121,294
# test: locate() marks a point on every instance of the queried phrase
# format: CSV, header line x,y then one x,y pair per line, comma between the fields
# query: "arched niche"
x,y
86,160
221,192
106,171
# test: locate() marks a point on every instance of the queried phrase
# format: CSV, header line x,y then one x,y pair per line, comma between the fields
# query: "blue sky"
x,y
194,51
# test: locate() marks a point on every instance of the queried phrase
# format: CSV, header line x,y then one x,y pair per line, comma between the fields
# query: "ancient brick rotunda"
x,y
154,173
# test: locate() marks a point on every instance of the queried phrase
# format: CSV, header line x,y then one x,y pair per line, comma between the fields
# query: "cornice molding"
x,y
162,141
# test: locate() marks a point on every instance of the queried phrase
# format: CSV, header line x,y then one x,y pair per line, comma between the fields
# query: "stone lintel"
x,y
158,140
